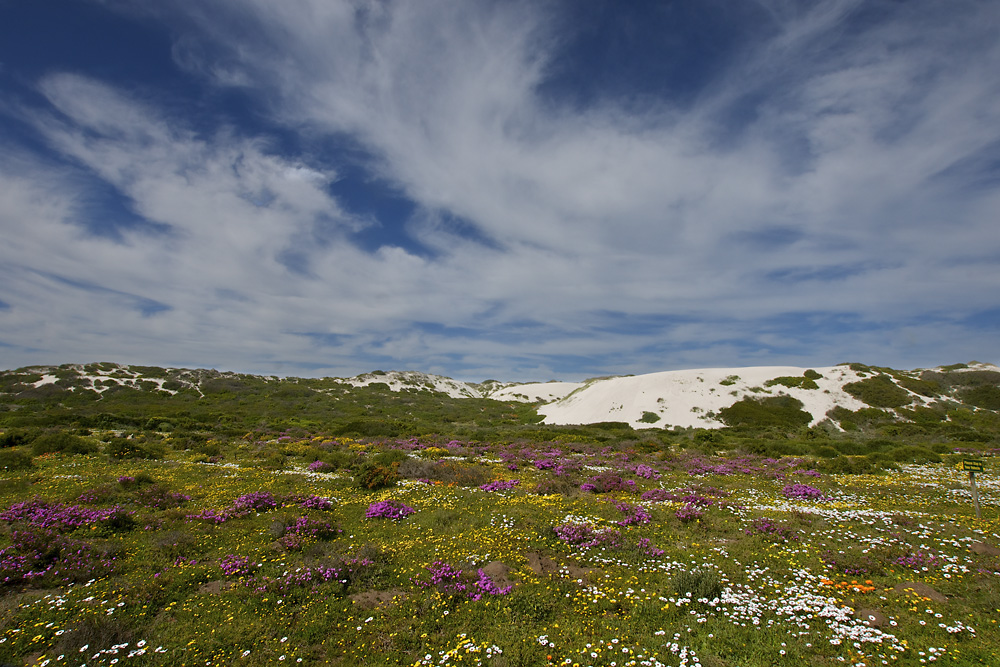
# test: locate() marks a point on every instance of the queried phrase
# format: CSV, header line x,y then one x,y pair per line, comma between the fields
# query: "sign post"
x,y
972,466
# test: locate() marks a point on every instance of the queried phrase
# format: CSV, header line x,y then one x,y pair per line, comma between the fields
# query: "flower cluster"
x,y
634,514
486,586
501,485
321,466
606,482
44,556
802,491
42,514
236,566
689,513
343,572
315,503
297,534
256,501
646,472
771,529
449,580
389,509
916,560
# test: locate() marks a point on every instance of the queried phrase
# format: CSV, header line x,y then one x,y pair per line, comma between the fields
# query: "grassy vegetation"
x,y
251,527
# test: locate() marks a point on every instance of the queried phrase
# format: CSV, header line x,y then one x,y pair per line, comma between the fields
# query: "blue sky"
x,y
513,190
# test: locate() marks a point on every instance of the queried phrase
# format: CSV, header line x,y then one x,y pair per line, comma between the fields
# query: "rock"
x,y
498,573
920,589
543,565
215,587
984,549
377,599
873,617
540,564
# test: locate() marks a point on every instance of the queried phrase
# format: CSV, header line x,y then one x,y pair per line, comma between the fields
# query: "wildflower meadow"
x,y
445,552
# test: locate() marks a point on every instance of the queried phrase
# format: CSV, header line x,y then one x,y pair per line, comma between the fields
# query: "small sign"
x,y
972,465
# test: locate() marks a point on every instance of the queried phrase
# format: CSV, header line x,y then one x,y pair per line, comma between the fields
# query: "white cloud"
x,y
601,209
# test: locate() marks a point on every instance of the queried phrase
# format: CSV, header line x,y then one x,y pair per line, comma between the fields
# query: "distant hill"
x,y
844,396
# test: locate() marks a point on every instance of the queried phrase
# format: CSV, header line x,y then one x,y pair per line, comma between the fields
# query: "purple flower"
x,y
770,528
500,485
802,491
487,587
236,566
634,514
688,513
647,472
316,503
389,509
258,500
320,466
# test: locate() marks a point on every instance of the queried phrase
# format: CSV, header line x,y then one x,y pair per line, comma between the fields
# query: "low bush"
x,y
697,584
65,443
14,439
879,391
124,448
914,454
801,382
371,476
779,411
14,459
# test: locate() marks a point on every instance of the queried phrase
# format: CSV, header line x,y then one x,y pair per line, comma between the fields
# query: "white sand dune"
x,y
690,397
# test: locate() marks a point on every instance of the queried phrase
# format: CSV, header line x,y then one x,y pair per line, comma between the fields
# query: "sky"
x,y
521,191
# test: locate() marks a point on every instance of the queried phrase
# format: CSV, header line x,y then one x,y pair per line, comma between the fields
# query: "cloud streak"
x,y
842,167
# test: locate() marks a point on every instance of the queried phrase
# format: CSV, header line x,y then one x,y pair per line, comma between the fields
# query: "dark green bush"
x,y
781,411
66,443
855,465
825,451
446,471
340,458
123,448
812,375
371,476
879,391
390,457
984,396
922,387
914,454
793,381
701,584
649,417
14,439
14,459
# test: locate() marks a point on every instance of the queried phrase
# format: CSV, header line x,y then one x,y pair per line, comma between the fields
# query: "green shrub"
x,y
341,458
123,448
984,396
701,584
649,418
792,381
781,411
879,391
855,465
66,443
825,451
13,439
922,387
14,459
371,476
914,454
390,457
812,375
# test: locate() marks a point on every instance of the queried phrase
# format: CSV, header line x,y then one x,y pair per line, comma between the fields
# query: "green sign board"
x,y
972,465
